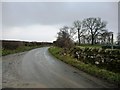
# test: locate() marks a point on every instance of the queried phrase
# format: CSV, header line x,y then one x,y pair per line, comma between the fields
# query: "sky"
x,y
40,21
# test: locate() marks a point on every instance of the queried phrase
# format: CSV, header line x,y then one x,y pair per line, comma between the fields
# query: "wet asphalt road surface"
x,y
38,66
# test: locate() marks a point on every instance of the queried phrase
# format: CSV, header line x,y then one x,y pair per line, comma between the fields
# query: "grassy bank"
x,y
20,49
91,69
90,46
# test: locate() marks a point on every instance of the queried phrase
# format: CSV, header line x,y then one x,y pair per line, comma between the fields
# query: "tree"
x,y
64,39
94,25
110,37
118,38
72,33
106,37
78,26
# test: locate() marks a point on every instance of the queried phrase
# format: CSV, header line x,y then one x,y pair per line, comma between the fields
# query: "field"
x,y
11,47
90,46
20,49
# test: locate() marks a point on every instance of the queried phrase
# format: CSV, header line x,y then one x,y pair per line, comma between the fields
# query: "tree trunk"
x,y
112,41
79,36
92,39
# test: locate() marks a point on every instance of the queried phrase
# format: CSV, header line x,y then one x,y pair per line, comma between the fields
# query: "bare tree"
x,y
106,37
94,25
72,33
78,26
110,37
64,40
118,38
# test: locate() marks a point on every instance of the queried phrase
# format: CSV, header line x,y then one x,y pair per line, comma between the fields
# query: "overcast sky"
x,y
38,21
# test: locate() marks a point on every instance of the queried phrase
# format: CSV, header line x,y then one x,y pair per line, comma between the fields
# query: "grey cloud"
x,y
26,13
22,14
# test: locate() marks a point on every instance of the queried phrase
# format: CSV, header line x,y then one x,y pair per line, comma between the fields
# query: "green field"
x,y
90,46
19,49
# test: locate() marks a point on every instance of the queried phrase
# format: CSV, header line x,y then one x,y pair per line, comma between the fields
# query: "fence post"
x,y
112,41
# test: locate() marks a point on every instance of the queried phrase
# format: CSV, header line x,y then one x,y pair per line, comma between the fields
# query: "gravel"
x,y
10,72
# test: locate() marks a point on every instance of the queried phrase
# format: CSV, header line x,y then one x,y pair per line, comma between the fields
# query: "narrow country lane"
x,y
38,66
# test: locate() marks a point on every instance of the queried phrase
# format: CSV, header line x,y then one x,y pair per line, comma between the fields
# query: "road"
x,y
38,66
0,73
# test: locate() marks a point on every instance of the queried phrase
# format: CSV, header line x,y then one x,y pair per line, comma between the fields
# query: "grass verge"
x,y
91,69
90,46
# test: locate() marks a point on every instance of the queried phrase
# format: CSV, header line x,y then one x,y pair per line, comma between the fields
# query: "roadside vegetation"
x,y
17,50
11,47
92,69
89,46
94,52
